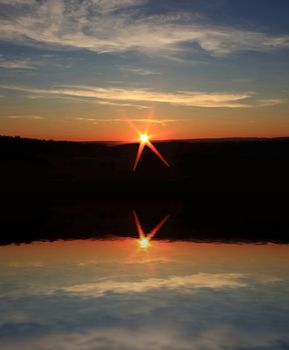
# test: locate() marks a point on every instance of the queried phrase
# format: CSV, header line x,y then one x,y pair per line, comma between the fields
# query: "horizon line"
x,y
155,140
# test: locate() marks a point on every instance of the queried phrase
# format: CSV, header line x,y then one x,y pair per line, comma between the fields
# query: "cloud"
x,y
106,287
25,265
30,63
84,100
114,26
138,70
25,63
114,96
162,122
268,102
109,103
108,6
17,2
154,121
25,117
166,337
197,281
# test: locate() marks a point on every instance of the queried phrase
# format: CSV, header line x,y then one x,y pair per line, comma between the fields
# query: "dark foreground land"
x,y
105,170
215,190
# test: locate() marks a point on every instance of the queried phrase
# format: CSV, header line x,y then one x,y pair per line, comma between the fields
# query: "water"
x,y
121,295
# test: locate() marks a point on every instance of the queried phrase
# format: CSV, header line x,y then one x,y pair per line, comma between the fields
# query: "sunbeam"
x,y
144,140
144,240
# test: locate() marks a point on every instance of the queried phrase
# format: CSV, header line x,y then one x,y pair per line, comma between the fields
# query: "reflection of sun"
x,y
144,243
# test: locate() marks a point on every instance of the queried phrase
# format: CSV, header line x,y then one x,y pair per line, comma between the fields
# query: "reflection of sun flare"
x,y
144,243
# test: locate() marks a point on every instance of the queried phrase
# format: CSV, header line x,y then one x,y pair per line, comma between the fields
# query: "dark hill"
x,y
105,170
233,190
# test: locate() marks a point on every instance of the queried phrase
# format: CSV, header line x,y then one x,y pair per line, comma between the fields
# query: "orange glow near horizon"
x,y
197,128
144,140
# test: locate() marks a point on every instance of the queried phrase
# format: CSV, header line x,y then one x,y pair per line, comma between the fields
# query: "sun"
x,y
144,138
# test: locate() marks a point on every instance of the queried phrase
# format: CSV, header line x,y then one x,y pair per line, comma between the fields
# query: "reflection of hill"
x,y
203,218
97,169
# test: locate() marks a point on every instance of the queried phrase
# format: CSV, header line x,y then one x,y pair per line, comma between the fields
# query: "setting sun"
x,y
144,138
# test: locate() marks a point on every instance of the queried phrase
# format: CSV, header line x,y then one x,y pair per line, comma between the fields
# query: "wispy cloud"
x,y
108,6
115,96
25,63
84,99
25,117
109,103
154,121
162,122
111,26
30,63
197,281
174,335
268,102
17,2
138,70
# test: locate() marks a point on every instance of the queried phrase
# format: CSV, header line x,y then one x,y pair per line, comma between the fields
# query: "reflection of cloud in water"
x,y
175,296
221,338
141,260
175,313
200,280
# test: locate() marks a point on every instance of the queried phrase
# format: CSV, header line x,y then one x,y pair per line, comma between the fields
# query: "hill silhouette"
x,y
95,169
230,190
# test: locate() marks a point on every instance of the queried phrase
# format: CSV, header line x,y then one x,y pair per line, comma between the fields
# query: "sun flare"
x,y
144,243
144,138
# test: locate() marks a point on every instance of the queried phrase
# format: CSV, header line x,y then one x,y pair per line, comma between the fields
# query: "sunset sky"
x,y
95,69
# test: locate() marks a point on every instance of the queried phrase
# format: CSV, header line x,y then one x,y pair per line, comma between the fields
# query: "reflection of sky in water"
x,y
86,295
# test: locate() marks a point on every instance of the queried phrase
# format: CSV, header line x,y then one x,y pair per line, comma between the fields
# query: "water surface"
x,y
113,294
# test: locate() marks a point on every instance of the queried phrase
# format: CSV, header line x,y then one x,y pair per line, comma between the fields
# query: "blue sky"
x,y
82,69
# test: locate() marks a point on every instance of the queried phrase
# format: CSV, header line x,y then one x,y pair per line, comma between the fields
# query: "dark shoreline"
x,y
233,190
202,219
98,170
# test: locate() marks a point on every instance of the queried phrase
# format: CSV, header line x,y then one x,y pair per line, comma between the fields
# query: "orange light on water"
x,y
144,243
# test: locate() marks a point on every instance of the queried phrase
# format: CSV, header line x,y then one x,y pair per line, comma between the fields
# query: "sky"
x,y
102,69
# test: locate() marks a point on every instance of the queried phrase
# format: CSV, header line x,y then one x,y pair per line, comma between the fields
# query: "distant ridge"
x,y
212,139
98,170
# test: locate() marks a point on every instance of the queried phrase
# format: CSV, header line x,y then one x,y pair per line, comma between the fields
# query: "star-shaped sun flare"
x,y
144,240
144,140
